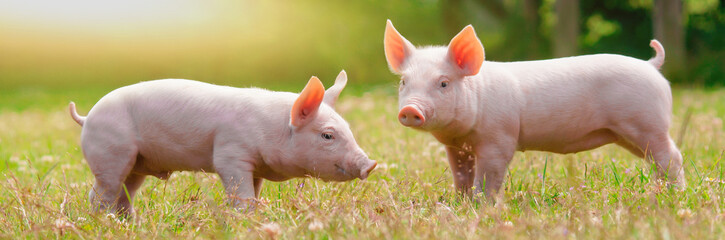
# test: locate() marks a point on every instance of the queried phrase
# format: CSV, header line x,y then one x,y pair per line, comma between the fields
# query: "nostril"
x,y
372,167
410,116
365,172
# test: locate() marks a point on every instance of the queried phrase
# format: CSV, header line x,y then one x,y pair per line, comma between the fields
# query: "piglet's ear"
x,y
333,92
466,52
306,105
397,48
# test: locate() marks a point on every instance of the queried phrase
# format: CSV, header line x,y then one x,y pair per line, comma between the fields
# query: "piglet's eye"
x,y
327,136
443,81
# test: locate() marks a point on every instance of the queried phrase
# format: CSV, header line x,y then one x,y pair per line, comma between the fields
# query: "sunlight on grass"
x,y
604,193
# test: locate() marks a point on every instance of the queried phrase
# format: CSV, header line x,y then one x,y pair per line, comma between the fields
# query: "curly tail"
x,y
79,119
659,57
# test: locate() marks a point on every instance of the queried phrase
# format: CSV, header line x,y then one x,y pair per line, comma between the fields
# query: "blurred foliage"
x,y
632,19
280,44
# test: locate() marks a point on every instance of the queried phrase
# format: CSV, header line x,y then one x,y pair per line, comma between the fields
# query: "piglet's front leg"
x,y
491,165
239,186
237,177
462,164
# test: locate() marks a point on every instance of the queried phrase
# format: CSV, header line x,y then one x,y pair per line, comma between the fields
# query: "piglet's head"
x,y
323,142
433,80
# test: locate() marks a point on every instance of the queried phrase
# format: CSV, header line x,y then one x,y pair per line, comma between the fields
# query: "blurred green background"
x,y
49,46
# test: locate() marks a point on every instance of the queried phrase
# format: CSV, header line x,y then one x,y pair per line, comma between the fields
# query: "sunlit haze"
x,y
99,15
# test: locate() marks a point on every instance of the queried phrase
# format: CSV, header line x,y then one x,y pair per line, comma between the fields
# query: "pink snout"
x,y
365,171
410,116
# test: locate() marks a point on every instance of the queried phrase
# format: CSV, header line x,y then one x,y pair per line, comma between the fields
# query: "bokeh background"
x,y
63,47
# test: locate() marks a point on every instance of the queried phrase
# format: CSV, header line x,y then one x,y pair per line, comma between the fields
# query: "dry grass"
x,y
604,193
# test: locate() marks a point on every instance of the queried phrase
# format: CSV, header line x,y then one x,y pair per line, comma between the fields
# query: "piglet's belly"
x,y
160,160
567,141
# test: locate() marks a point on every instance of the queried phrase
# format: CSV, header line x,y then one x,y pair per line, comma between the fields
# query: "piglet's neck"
x,y
275,149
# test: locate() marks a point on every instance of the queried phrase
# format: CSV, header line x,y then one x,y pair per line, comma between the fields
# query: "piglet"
x,y
243,134
484,111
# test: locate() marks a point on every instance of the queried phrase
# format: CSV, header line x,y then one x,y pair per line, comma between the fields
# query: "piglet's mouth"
x,y
342,170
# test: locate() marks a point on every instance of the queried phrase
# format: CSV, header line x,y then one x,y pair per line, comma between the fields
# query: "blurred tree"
x,y
567,27
668,29
521,21
452,15
705,32
533,23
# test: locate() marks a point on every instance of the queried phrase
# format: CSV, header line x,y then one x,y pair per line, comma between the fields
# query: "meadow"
x,y
54,52
603,193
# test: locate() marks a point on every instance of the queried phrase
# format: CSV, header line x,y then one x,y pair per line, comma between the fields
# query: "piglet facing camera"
x,y
485,111
243,134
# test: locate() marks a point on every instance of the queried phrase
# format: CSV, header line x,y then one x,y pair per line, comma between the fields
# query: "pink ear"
x,y
397,48
466,51
306,105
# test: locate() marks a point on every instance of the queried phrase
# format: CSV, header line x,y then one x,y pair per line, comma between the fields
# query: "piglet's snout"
x,y
411,116
367,168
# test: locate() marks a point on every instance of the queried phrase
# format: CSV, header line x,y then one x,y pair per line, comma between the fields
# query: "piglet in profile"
x,y
485,111
243,134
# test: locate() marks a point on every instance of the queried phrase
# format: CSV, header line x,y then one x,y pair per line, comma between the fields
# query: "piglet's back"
x,y
178,101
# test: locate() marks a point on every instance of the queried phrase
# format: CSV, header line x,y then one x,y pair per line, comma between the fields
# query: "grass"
x,y
603,193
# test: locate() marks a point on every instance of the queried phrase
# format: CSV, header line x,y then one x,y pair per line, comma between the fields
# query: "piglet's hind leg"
x,y
658,147
131,185
110,166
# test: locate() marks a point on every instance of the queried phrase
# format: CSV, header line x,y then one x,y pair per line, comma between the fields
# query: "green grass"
x,y
603,193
